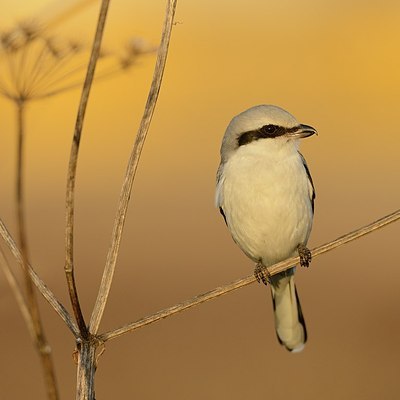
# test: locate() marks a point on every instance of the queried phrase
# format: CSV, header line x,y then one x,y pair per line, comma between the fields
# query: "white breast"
x,y
264,192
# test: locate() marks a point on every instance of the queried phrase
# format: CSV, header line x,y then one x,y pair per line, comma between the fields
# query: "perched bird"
x,y
266,195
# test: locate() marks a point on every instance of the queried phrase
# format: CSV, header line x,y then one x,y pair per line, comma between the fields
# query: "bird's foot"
x,y
262,274
305,255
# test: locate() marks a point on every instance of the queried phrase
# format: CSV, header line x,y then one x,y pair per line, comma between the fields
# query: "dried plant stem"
x,y
18,294
86,370
69,230
43,289
43,349
222,290
87,345
39,338
131,170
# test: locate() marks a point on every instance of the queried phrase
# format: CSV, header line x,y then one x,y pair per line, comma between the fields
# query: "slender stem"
x,y
41,343
86,369
42,347
43,289
131,170
222,290
70,205
18,294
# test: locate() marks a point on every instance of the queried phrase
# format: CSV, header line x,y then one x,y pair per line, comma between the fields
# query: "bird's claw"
x,y
305,255
262,274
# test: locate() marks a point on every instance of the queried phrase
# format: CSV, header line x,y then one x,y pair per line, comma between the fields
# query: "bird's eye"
x,y
269,129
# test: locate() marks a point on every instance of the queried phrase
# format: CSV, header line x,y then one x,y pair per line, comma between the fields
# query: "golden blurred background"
x,y
334,65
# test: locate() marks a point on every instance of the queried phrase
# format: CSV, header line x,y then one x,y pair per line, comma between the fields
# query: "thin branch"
x,y
22,239
43,289
43,348
19,195
39,338
131,171
17,292
69,229
222,290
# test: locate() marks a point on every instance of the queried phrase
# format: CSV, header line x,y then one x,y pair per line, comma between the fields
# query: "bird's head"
x,y
263,122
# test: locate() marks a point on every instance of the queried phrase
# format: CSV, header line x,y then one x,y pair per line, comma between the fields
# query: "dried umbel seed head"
x,y
75,46
20,36
47,65
54,48
137,46
29,30
11,41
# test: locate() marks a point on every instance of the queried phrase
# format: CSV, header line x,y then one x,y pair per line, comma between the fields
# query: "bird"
x,y
266,195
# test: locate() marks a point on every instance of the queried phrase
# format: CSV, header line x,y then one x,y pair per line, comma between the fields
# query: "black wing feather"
x,y
223,214
310,179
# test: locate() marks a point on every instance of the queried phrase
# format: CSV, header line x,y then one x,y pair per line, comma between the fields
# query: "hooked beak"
x,y
303,131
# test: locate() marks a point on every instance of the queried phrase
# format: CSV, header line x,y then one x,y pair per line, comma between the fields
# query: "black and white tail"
x,y
289,322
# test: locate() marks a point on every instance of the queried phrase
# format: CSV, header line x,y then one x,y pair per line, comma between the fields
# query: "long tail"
x,y
289,322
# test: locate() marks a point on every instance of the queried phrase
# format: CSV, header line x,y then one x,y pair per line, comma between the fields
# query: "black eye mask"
x,y
265,132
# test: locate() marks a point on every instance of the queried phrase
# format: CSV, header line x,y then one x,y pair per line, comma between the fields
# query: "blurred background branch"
x,y
18,294
43,289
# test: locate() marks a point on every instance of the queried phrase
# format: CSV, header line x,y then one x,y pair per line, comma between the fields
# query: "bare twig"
x,y
274,269
131,171
69,230
39,337
43,289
